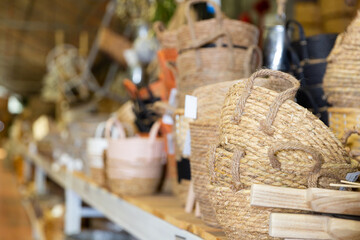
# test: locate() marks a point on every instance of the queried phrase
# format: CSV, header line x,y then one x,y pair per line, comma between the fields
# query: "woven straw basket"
x,y
342,77
208,31
95,148
213,51
167,39
344,122
266,138
134,165
204,132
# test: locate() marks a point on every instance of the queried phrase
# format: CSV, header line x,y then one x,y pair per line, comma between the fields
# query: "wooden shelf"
x,y
148,217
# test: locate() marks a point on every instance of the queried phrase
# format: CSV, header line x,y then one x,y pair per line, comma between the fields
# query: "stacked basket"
x,y
266,138
211,51
342,83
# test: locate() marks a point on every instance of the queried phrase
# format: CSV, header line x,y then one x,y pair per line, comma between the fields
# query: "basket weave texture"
x,y
214,50
342,77
266,138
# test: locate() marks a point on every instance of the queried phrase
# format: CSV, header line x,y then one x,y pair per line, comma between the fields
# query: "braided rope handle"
x,y
265,125
344,141
317,156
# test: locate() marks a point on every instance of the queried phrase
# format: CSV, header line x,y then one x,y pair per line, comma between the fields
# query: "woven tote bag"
x,y
95,148
211,51
134,165
266,138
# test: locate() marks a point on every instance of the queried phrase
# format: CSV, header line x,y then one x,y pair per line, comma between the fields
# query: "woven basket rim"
x,y
344,109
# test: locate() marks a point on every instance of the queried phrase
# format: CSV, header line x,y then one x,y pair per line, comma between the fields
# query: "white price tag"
x,y
190,106
187,145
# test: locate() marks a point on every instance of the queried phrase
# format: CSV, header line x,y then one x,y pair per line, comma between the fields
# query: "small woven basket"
x,y
343,122
167,39
134,165
266,138
209,31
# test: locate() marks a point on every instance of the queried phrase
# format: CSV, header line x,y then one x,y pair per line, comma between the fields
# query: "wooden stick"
x,y
344,185
312,199
352,183
190,201
312,227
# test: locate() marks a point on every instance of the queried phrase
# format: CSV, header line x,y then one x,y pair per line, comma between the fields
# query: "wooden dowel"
x,y
344,185
351,183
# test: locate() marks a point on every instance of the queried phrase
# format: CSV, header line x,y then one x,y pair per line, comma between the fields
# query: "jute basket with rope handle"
x,y
266,138
204,133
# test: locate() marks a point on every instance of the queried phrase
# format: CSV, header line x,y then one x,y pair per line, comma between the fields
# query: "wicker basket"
x,y
342,77
343,120
196,34
167,39
134,165
215,65
266,138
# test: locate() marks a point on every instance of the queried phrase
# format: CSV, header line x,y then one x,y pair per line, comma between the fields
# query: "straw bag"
x,y
214,50
167,39
342,77
208,31
204,132
266,138
134,165
95,148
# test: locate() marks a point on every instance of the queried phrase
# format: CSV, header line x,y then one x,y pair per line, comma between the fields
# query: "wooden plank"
x,y
312,199
312,227
147,217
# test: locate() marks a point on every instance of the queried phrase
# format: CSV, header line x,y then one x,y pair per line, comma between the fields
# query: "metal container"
x,y
274,48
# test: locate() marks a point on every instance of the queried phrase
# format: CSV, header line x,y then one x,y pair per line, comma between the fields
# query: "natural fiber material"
x,y
343,122
98,175
215,65
203,135
266,138
134,186
167,39
214,50
208,31
342,77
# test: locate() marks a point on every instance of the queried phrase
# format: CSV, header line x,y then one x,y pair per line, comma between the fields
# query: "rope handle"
x,y
317,156
265,125
235,172
211,162
218,33
114,122
253,49
344,141
303,41
100,130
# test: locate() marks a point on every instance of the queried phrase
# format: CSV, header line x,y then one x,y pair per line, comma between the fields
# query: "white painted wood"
x,y
72,212
88,212
40,180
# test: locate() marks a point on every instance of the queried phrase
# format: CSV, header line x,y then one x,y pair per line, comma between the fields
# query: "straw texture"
x,y
343,120
342,77
266,138
98,175
214,50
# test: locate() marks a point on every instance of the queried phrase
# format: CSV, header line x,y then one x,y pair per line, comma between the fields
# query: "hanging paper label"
x,y
190,106
170,143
